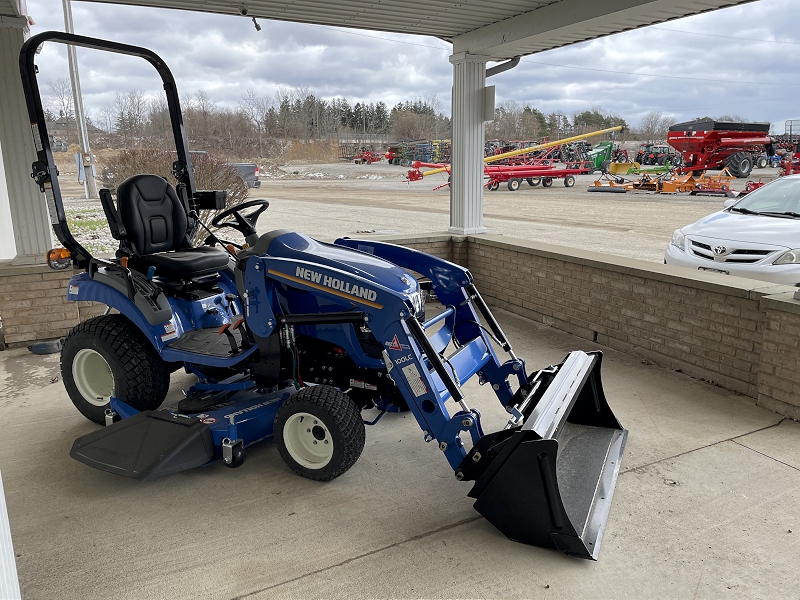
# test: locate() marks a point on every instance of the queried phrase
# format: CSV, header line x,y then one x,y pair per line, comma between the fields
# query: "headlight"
x,y
416,302
792,257
679,240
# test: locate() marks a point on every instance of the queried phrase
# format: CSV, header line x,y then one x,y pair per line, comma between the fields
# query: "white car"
x,y
757,236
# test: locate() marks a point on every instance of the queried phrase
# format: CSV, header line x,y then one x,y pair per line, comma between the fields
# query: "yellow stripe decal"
x,y
325,289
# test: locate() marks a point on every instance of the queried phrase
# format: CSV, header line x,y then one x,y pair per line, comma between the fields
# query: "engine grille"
x,y
735,255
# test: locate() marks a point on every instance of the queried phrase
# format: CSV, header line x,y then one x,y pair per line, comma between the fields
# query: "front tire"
x,y
107,356
319,432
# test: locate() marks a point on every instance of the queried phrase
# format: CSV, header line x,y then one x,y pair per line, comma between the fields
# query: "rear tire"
x,y
319,432
547,181
107,356
534,181
740,164
569,181
513,185
761,162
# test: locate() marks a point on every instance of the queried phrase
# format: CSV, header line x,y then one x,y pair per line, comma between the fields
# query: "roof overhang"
x,y
12,8
499,29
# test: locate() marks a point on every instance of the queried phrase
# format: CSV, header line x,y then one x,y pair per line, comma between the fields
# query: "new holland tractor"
x,y
290,338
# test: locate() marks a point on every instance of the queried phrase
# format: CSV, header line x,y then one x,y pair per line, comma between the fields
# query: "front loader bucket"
x,y
550,482
622,168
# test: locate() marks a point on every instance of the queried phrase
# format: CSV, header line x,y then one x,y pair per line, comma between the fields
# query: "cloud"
x,y
741,60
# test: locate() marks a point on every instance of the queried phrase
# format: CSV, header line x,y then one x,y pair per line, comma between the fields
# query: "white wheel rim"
x,y
93,377
308,440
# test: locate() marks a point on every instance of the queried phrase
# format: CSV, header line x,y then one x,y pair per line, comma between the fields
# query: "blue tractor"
x,y
290,338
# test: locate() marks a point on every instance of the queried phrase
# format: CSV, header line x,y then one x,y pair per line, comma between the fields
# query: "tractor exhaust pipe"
x,y
549,482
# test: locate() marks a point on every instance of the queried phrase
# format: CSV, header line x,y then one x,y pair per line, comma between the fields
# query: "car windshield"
x,y
780,196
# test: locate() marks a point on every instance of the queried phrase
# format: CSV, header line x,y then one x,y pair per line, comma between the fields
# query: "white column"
x,y
30,223
466,180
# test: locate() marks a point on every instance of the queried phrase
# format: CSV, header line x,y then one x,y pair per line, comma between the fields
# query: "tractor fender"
x,y
83,289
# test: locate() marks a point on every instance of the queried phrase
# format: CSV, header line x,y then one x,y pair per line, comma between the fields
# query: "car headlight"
x,y
792,257
679,240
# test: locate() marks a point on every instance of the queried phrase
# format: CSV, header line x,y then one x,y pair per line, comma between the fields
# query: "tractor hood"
x,y
298,246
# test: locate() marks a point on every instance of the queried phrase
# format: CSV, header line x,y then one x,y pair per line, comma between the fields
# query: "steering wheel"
x,y
244,224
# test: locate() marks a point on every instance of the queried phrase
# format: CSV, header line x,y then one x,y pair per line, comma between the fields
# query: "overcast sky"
x,y
743,60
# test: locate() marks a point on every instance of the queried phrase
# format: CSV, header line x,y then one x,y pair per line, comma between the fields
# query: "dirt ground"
x,y
327,201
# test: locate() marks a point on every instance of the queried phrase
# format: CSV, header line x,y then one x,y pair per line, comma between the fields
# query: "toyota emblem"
x,y
720,250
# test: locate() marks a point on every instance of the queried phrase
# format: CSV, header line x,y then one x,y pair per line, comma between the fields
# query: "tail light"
x,y
58,258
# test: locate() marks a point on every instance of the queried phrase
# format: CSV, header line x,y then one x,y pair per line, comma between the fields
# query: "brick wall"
x,y
33,305
702,323
779,375
440,245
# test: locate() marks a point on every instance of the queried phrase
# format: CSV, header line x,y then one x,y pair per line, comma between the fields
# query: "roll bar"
x,y
43,170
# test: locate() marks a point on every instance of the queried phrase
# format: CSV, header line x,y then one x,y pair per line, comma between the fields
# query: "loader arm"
x,y
548,477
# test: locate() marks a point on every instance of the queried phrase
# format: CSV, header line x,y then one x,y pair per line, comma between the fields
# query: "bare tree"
x,y
655,126
732,118
130,118
159,130
62,101
107,118
258,110
507,124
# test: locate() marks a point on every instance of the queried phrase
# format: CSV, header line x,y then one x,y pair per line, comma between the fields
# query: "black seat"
x,y
155,222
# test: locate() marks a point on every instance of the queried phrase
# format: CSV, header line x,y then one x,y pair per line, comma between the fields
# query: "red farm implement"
x,y
719,144
790,165
367,157
505,173
513,176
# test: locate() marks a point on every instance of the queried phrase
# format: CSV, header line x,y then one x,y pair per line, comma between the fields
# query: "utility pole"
x,y
83,134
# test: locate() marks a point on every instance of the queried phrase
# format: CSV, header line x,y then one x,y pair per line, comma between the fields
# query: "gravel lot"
x,y
331,200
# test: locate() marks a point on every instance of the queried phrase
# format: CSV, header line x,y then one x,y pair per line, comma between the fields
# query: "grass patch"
x,y
89,226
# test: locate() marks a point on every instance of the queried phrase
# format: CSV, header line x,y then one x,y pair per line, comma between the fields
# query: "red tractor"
x,y
719,144
657,154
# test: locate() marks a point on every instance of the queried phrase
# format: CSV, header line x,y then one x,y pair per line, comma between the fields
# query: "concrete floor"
x,y
705,507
